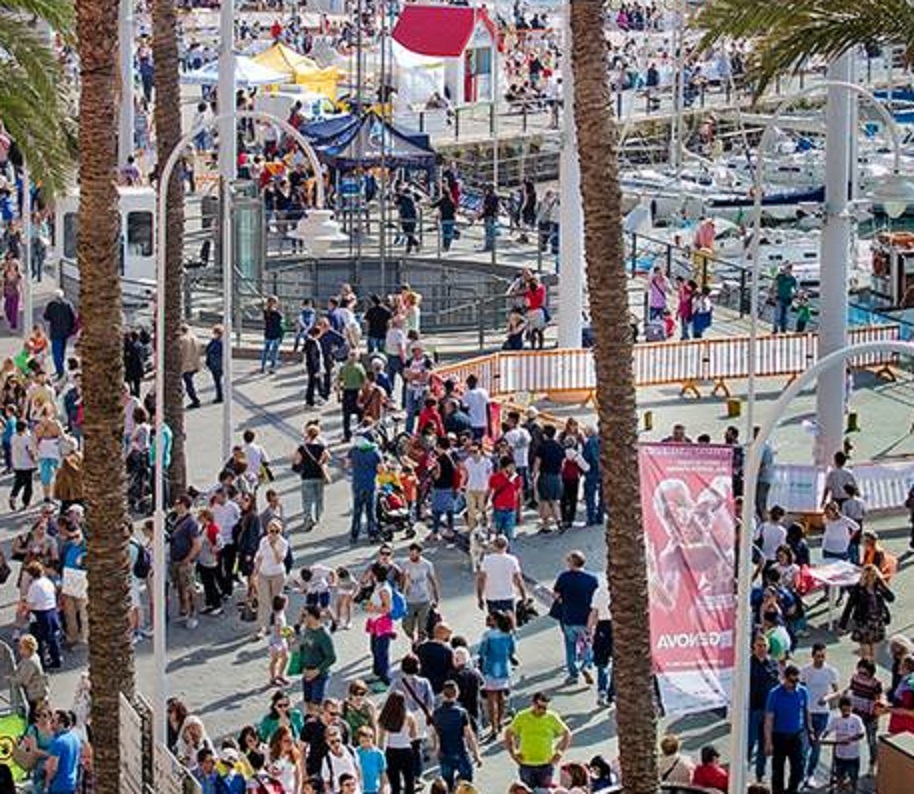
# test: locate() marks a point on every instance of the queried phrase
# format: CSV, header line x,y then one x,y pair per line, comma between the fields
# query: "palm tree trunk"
x,y
605,259
168,135
110,649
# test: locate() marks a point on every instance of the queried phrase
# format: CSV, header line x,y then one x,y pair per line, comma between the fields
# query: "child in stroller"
x,y
392,505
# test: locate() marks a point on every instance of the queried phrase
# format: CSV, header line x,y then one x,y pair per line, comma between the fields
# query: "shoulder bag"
x,y
429,717
325,472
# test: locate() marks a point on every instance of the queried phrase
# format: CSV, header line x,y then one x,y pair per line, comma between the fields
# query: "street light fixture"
x,y
160,722
896,191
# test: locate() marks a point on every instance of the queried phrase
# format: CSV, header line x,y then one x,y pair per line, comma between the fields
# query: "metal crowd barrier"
x,y
687,363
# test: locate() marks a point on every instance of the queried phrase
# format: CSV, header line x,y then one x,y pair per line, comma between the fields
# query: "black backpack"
x,y
143,563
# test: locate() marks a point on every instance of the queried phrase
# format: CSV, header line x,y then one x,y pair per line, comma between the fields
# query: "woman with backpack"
x,y
380,625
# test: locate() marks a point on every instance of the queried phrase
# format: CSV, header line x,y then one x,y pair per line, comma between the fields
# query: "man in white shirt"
x,y
821,682
601,629
771,534
835,481
226,514
340,768
317,582
518,438
478,468
256,456
476,399
498,578
131,403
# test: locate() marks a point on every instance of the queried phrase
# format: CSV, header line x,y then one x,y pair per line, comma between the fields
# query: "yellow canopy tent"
x,y
301,69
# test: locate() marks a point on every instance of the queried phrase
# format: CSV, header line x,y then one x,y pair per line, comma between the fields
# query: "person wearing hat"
x,y
231,779
709,773
537,739
417,373
363,459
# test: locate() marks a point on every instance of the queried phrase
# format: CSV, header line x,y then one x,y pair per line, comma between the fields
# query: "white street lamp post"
x,y
571,213
740,687
125,28
739,737
841,108
895,187
159,555
228,157
27,252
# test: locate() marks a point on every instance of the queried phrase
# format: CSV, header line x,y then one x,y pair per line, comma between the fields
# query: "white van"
x,y
137,210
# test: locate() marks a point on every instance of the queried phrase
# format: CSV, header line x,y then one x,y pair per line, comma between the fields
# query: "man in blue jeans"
x,y
785,288
573,591
364,459
763,677
61,319
456,740
787,727
821,681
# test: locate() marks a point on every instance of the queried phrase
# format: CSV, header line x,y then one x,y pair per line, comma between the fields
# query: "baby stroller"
x,y
393,513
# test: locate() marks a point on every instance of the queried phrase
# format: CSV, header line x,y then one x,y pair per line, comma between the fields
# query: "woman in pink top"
x,y
658,288
686,291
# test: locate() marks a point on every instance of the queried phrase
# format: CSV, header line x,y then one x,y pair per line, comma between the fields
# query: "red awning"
x,y
439,31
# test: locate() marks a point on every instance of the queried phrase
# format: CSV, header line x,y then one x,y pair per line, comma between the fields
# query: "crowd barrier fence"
x,y
687,363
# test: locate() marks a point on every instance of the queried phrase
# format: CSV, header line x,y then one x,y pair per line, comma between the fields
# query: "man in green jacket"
x,y
317,657
351,378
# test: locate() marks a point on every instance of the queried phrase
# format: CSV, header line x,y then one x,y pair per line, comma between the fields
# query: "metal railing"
x,y
458,296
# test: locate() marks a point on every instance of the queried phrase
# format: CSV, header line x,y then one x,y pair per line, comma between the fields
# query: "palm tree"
x,y
605,259
168,135
33,90
110,648
784,34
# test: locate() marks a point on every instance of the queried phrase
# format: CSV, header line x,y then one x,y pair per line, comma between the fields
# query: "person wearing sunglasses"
x,y
281,714
340,765
787,723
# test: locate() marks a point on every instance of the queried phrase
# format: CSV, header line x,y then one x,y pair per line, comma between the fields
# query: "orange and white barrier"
x,y
687,363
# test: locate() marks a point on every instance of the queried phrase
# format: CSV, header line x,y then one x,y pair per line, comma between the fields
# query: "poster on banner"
x,y
690,543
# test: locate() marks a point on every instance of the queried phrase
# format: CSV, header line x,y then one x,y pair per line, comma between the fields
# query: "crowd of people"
x,y
467,471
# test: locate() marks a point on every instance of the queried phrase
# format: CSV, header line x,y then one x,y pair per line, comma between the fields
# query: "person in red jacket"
x,y
709,773
430,415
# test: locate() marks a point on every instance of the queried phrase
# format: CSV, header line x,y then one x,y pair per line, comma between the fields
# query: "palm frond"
x,y
59,14
784,34
33,100
24,48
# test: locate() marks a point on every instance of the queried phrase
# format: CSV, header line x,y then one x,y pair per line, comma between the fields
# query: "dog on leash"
x,y
479,546
524,612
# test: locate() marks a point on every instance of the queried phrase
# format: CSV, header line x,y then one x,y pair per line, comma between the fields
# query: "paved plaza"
x,y
221,670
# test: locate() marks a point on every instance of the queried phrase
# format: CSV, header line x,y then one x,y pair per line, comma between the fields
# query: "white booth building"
x,y
464,38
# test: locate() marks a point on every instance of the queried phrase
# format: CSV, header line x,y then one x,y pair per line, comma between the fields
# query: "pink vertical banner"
x,y
690,539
